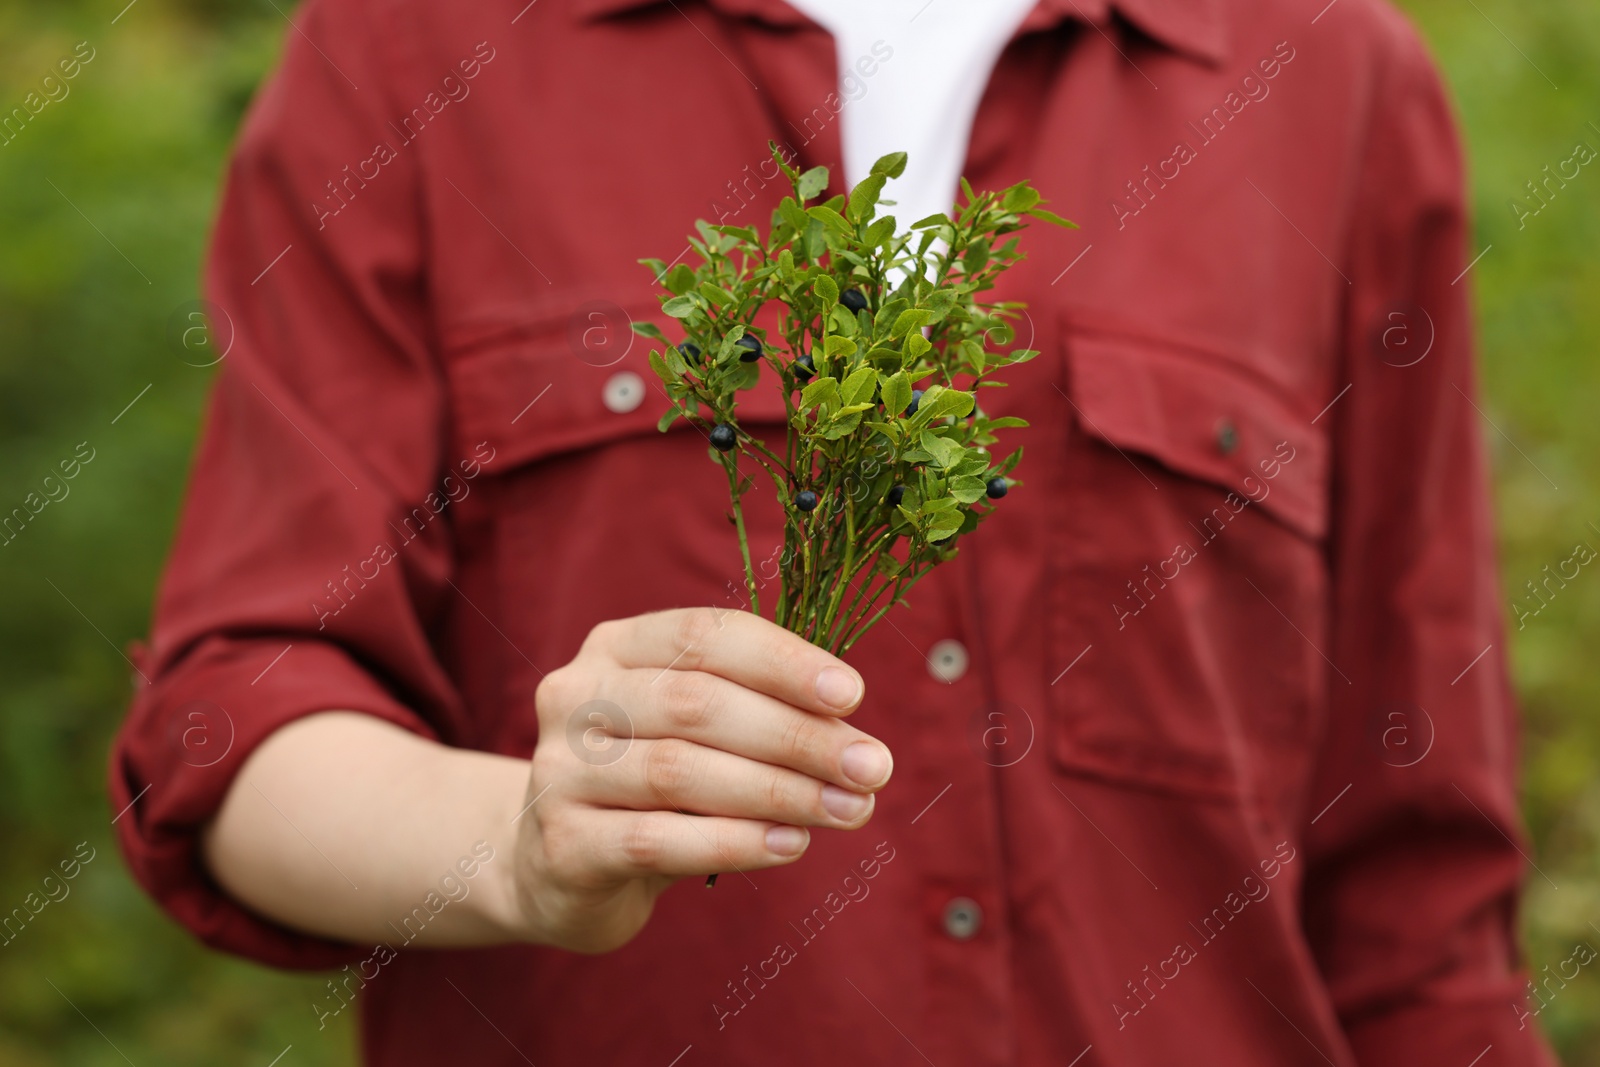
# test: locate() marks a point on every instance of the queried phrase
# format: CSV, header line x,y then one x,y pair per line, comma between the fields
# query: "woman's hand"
x,y
680,744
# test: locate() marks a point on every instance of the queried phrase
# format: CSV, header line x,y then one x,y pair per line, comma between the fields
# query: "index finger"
x,y
742,648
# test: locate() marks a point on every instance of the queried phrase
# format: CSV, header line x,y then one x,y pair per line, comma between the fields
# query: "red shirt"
x,y
1204,743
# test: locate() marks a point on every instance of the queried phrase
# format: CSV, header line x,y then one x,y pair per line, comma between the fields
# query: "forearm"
x,y
344,825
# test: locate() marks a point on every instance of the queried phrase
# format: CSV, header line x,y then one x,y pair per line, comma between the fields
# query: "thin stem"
x,y
731,465
898,598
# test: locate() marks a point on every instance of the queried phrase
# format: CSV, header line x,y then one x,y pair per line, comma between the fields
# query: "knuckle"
x,y
789,658
554,692
562,853
644,842
692,631
601,636
686,701
779,794
670,766
803,744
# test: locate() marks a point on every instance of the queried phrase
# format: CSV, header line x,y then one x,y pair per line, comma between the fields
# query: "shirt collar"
x,y
1195,27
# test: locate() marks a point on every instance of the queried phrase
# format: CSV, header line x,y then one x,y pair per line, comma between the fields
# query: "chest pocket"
x,y
1188,586
586,512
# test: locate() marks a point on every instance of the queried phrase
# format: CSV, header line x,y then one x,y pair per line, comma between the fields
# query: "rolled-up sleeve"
x,y
310,561
1416,854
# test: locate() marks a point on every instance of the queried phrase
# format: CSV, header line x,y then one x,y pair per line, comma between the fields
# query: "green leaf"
x,y
667,419
744,233
1051,217
815,243
813,182
725,349
892,165
843,425
857,389
976,257
838,346
944,451
716,294
680,279
967,490
680,307
936,219
940,402
649,329
945,523
1019,197
826,289
1005,423
888,429
887,312
745,375
879,232
844,321
831,218
917,345
910,319
794,214
675,361
896,393
941,302
823,391
864,197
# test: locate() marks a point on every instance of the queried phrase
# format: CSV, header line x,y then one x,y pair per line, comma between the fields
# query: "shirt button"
x,y
623,392
962,918
1227,436
947,661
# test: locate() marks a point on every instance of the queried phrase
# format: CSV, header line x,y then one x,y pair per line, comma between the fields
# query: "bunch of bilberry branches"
x,y
882,345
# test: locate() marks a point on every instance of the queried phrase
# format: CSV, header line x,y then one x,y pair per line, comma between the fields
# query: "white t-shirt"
x,y
921,100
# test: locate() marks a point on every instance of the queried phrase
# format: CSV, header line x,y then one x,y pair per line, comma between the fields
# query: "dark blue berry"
x,y
723,437
854,299
997,488
895,495
916,398
751,346
689,350
805,500
804,369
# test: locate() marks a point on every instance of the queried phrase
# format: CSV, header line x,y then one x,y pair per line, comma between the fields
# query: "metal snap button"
x,y
623,392
962,918
947,660
1227,436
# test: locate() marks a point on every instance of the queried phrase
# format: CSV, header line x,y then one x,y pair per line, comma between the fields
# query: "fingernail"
x,y
866,764
843,804
838,687
787,840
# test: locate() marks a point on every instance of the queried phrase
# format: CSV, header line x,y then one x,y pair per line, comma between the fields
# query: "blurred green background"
x,y
105,200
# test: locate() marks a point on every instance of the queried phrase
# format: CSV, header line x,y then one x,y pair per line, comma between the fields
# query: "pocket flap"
x,y
1200,416
551,387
